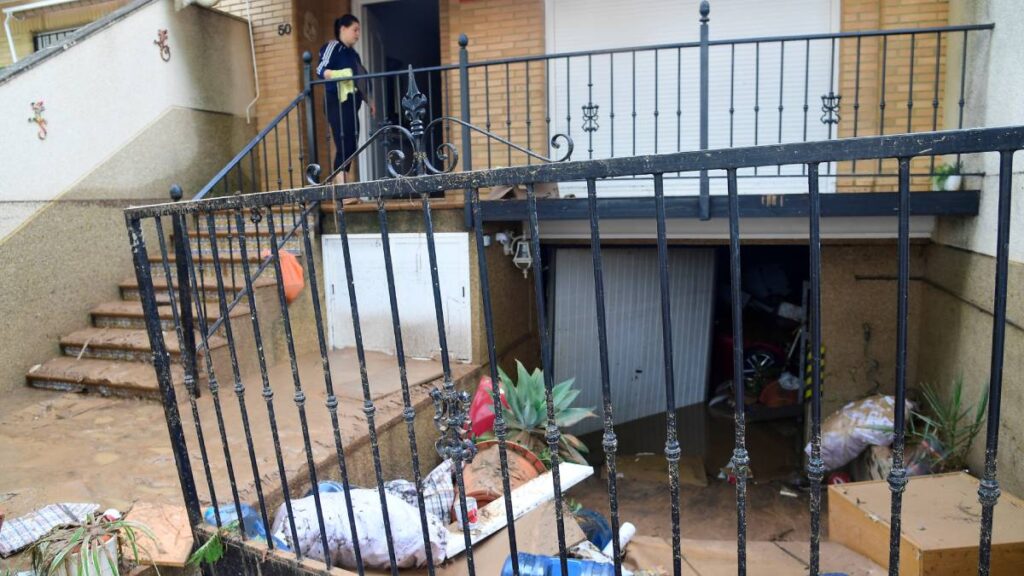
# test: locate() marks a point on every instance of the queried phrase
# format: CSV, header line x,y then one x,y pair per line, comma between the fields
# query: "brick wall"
x,y
279,63
498,29
896,55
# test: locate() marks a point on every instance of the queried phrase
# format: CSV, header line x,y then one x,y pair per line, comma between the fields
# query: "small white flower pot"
x,y
952,183
107,553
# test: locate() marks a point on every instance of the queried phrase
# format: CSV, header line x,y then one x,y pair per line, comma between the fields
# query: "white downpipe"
x,y
255,70
10,40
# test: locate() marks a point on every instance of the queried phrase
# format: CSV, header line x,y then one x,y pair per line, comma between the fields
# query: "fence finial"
x,y
705,9
463,40
176,193
307,57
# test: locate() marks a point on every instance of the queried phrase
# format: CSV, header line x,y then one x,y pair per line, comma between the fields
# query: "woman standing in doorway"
x,y
339,60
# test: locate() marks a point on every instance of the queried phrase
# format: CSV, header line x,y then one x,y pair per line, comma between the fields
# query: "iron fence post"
x,y
467,153
705,188
188,345
162,365
307,88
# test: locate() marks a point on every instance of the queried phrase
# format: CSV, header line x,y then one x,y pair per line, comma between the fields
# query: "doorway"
x,y
397,34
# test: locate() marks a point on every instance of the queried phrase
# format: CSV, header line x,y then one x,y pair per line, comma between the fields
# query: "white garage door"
x,y
637,108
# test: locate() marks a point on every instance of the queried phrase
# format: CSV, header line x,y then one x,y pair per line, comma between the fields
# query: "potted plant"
x,y
527,414
947,177
88,548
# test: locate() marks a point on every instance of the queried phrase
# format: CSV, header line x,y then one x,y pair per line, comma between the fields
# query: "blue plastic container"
x,y
595,526
533,565
254,528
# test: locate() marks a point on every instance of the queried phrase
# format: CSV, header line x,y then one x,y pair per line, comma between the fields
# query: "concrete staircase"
x,y
113,357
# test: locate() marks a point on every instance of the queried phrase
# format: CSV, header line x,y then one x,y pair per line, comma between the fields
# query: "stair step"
x,y
121,344
227,261
254,244
107,377
128,314
207,285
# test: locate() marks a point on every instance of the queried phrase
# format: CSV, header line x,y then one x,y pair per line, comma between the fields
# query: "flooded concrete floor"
x,y
709,512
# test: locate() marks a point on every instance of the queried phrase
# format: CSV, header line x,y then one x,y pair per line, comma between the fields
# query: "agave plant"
x,y
951,421
527,413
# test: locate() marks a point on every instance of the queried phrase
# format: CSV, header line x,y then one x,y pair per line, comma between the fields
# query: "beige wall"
x,y
70,256
858,320
107,90
25,27
957,327
956,336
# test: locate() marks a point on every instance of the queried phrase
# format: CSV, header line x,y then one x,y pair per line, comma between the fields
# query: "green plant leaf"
x,y
571,416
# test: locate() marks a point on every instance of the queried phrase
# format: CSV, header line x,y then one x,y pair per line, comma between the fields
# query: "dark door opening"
x,y
398,34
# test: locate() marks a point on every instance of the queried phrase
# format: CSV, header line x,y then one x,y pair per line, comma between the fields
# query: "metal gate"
x,y
193,312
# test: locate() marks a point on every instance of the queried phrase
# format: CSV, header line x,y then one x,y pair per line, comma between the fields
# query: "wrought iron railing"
x,y
710,93
451,404
418,167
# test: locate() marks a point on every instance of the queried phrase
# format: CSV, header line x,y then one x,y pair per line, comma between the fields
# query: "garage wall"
x,y
957,334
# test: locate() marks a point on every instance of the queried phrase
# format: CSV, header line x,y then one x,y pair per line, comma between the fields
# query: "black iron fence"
x,y
184,293
225,248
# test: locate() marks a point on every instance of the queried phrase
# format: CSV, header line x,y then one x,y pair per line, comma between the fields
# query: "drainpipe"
x,y
255,71
10,40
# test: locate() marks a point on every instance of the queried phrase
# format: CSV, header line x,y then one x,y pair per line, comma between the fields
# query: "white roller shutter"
x,y
585,25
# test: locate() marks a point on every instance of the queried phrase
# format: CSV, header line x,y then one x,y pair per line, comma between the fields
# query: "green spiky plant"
x,y
951,421
85,544
527,414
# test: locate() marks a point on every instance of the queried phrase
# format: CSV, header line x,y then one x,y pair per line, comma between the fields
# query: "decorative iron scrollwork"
x,y
590,117
37,117
161,42
830,108
399,164
451,417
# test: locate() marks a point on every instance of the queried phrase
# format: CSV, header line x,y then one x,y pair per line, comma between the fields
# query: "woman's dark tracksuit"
x,y
342,116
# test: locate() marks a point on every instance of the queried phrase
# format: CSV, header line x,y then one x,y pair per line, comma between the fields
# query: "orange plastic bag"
x,y
291,274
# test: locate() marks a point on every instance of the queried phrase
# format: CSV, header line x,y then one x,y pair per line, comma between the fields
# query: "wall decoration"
x,y
37,117
161,41
284,29
310,27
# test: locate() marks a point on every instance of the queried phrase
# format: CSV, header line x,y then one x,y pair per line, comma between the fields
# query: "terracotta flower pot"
x,y
482,476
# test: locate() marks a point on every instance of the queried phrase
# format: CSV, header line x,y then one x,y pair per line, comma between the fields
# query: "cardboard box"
x,y
941,526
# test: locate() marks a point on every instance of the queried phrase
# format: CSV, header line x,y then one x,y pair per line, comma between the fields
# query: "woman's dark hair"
x,y
344,21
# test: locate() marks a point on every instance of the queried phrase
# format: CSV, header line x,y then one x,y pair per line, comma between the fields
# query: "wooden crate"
x,y
941,525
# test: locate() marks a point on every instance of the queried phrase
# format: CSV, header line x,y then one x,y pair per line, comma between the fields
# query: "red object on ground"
x,y
481,411
839,478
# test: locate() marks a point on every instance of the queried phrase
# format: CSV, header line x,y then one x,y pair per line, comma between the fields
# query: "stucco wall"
x,y
956,336
105,91
70,256
858,320
957,328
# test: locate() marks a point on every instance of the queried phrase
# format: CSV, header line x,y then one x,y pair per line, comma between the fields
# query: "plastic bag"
x,y
291,274
406,530
857,425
